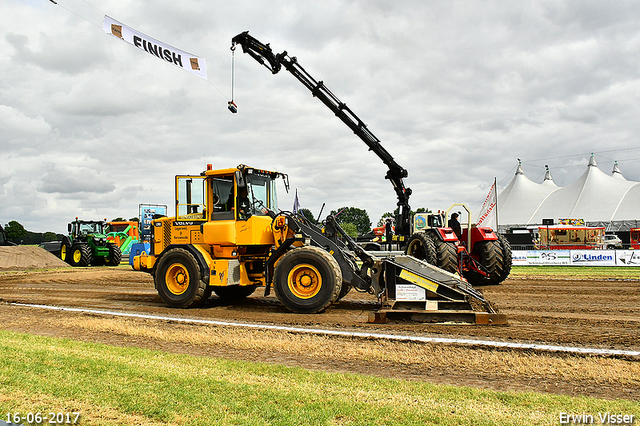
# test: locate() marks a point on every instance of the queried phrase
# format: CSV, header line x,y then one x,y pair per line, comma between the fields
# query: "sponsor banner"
x,y
628,257
548,257
147,211
186,61
576,257
593,257
410,293
519,257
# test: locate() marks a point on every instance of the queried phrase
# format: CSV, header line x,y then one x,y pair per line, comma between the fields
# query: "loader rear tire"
x,y
422,247
178,279
80,255
307,280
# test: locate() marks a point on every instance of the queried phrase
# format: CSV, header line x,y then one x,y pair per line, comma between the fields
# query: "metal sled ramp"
x,y
417,291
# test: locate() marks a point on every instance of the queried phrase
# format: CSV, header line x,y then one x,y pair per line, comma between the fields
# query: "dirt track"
x,y
590,313
554,311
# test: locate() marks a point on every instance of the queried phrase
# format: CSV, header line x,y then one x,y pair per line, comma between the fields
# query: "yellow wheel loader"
x,y
227,238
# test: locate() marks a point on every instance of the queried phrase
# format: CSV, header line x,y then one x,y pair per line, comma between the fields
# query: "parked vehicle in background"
x,y
87,245
611,241
3,238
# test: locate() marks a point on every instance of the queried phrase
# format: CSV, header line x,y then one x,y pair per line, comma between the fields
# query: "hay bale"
x,y
28,257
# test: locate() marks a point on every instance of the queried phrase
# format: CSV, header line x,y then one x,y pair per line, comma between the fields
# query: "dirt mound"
x,y
27,257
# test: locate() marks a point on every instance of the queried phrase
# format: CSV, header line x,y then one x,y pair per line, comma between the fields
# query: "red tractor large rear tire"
x,y
507,258
489,255
447,256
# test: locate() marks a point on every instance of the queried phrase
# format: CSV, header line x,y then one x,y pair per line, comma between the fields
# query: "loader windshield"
x,y
261,190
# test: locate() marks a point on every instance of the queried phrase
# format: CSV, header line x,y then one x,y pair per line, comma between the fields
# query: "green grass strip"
x,y
114,385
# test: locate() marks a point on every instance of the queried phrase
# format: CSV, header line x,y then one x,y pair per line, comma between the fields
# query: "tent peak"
x,y
616,169
592,161
616,173
547,174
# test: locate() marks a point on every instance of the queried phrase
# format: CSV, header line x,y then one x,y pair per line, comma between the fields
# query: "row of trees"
x,y
16,233
355,221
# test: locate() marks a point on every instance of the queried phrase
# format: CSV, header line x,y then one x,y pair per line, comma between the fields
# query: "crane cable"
x,y
231,104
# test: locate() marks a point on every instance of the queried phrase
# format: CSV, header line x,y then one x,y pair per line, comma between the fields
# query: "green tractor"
x,y
87,245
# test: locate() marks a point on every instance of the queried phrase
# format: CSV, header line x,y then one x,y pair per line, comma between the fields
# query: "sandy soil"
x,y
27,257
591,313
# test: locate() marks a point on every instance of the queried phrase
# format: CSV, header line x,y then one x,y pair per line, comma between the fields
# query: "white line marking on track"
x,y
368,335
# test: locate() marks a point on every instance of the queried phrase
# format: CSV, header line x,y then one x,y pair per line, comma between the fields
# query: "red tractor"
x,y
476,253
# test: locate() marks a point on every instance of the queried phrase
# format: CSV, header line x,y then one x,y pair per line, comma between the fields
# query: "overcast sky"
x,y
456,91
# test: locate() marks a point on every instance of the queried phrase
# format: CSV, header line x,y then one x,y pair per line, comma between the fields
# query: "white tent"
x,y
595,197
522,197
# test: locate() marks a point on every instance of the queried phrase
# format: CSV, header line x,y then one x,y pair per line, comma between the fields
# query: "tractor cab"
x,y
82,228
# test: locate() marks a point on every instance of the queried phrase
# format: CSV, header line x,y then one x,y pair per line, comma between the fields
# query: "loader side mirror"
x,y
69,228
240,179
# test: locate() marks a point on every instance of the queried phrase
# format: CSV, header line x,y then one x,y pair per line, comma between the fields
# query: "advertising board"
x,y
548,257
593,257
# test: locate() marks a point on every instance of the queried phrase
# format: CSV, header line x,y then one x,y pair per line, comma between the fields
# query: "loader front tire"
x,y
307,280
178,279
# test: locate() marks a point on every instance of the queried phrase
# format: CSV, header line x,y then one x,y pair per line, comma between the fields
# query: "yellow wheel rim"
x,y
63,252
177,278
304,281
77,255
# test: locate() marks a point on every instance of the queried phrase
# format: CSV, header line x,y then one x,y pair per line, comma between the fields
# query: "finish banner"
x,y
186,61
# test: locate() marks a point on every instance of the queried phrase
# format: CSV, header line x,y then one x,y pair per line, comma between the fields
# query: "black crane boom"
x,y
274,62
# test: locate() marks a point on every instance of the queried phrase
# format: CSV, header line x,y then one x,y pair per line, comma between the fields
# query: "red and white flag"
x,y
488,214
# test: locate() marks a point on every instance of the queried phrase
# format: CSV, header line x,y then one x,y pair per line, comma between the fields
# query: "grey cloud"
x,y
71,180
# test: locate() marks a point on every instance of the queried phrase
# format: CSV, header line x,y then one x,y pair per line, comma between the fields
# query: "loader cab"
x,y
230,208
230,194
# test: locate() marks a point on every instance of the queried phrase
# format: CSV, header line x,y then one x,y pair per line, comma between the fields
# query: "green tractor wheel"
x,y
80,255
115,255
65,252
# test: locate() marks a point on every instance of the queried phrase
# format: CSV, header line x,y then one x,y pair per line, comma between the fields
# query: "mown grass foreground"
x,y
113,385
